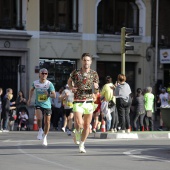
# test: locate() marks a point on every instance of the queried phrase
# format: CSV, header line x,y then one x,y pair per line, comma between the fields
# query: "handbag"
x,y
149,113
111,104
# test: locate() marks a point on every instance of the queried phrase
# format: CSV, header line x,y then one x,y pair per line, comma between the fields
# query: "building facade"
x,y
55,33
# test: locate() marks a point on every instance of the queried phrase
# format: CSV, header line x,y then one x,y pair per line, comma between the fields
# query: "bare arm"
x,y
52,94
70,84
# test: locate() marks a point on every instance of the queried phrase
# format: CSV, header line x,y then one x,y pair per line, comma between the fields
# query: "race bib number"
x,y
70,104
42,97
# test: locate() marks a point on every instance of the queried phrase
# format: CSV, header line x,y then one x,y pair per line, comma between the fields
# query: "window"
x,y
115,14
11,14
59,15
58,70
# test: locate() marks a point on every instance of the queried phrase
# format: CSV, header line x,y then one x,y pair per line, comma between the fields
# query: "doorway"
x,y
9,74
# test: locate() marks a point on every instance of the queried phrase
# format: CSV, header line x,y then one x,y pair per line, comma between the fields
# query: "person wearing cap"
x,y
164,101
81,82
44,91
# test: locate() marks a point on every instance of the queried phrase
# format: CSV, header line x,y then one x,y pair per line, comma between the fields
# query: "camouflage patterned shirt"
x,y
84,83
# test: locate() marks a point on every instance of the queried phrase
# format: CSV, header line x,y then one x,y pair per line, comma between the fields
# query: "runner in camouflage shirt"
x,y
81,83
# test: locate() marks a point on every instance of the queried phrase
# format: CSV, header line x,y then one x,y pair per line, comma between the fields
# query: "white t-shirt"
x,y
164,99
23,116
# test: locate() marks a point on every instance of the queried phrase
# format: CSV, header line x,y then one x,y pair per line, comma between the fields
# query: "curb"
x,y
133,135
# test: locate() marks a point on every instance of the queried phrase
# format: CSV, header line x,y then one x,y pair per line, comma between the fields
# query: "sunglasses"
x,y
44,73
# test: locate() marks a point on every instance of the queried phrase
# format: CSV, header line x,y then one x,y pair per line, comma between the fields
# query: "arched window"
x,y
59,15
112,15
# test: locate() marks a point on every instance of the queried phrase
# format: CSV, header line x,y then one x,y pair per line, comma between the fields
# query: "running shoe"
x,y
94,130
40,135
76,142
45,141
98,126
68,132
63,129
77,137
82,148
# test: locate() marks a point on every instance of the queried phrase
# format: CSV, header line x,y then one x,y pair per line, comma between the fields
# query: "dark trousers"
x,y
114,121
123,109
5,118
56,116
149,123
141,119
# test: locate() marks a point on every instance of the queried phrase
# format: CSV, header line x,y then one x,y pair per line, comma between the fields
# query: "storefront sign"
x,y
165,56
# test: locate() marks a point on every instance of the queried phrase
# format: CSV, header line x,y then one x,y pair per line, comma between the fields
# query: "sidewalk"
x,y
134,135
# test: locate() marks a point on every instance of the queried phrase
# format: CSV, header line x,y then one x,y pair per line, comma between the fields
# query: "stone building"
x,y
55,33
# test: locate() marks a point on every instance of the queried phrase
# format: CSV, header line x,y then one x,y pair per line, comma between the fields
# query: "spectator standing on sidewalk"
x,y
109,98
139,110
164,101
123,103
6,108
149,104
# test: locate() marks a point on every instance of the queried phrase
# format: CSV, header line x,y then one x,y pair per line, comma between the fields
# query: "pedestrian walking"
x,y
44,91
81,82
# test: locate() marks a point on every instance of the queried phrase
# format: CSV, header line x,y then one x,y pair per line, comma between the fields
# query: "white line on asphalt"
x,y
44,160
135,154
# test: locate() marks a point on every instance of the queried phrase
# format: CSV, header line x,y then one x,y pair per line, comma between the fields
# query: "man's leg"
x,y
47,119
78,125
39,116
86,129
85,133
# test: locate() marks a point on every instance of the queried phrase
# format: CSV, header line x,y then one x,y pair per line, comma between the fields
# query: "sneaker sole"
x,y
82,151
39,138
44,144
75,142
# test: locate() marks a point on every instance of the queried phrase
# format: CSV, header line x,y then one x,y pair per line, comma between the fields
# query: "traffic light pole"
x,y
123,63
123,50
125,39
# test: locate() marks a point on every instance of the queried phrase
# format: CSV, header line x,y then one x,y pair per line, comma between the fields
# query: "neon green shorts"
x,y
84,108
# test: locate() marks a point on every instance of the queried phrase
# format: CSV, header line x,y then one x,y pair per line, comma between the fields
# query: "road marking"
x,y
44,160
135,154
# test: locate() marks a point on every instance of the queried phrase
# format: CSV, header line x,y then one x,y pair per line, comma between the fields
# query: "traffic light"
x,y
125,39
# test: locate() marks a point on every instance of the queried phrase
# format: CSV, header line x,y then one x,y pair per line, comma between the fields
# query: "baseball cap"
x,y
43,70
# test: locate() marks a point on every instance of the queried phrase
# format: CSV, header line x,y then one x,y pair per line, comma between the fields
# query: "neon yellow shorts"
x,y
84,108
